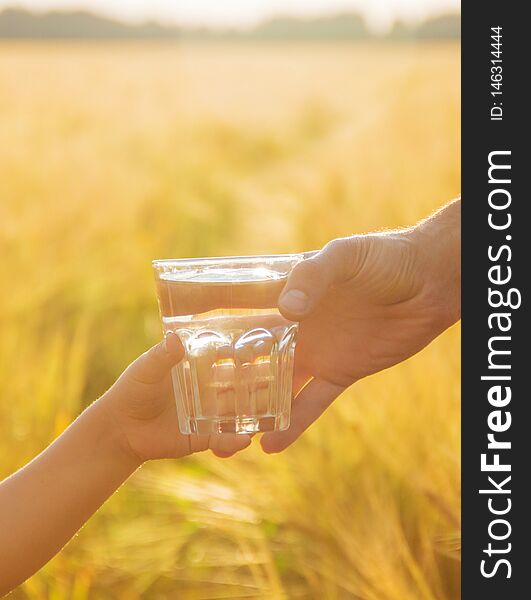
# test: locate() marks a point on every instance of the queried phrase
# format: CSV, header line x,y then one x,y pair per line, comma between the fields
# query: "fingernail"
x,y
295,301
171,342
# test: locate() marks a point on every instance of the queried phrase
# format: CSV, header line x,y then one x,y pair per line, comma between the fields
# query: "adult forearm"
x,y
46,502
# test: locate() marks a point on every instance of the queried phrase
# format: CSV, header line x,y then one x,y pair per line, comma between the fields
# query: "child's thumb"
x,y
154,364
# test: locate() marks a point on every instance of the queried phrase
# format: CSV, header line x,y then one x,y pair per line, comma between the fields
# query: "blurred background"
x,y
141,130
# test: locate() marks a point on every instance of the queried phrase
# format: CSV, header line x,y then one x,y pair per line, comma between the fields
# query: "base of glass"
x,y
245,424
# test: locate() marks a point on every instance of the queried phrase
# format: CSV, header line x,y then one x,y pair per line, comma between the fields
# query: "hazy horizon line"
x,y
229,28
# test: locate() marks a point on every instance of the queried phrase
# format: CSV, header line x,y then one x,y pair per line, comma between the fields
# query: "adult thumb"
x,y
311,278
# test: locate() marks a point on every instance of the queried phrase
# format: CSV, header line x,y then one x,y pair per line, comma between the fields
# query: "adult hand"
x,y
366,303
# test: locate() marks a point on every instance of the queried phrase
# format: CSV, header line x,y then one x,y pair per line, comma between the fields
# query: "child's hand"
x,y
43,504
142,407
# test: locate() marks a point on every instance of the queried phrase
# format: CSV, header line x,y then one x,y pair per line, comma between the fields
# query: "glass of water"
x,y
236,376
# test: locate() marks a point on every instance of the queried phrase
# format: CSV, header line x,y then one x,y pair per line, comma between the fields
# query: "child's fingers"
x,y
227,444
154,364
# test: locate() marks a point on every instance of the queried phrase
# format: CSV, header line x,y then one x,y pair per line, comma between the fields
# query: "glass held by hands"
x,y
236,376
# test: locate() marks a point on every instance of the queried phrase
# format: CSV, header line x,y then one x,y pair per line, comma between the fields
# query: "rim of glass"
x,y
165,262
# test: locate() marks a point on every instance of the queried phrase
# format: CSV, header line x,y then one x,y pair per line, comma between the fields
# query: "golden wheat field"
x,y
114,154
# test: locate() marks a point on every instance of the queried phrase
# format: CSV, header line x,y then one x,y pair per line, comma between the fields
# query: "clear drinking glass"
x,y
237,372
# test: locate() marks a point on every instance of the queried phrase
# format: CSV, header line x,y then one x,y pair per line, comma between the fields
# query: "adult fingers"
x,y
300,379
309,405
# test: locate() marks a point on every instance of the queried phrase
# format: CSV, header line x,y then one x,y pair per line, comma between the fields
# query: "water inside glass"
x,y
237,373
